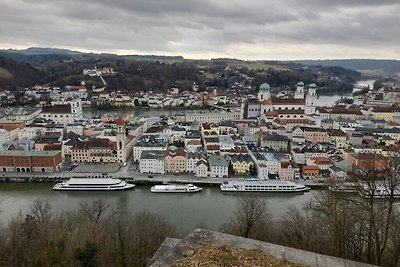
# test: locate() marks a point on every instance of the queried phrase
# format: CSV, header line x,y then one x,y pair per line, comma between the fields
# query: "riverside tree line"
x,y
358,228
365,229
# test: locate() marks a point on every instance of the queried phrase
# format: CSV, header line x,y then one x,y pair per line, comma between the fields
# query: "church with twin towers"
x,y
304,101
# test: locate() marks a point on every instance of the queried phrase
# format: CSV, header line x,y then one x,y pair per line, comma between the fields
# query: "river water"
x,y
210,208
326,100
322,100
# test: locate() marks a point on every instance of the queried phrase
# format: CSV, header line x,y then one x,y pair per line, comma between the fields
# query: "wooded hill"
x,y
60,67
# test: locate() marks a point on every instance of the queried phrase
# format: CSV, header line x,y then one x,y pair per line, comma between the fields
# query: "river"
x,y
137,112
326,100
186,211
322,100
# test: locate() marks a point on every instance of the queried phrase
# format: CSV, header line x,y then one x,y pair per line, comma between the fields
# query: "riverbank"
x,y
138,179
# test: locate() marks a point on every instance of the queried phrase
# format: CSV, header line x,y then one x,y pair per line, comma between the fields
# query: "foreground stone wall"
x,y
174,249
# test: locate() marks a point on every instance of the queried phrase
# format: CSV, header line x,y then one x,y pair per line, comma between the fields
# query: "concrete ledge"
x,y
173,250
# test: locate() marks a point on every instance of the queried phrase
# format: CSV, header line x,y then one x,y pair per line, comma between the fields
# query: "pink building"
x,y
288,170
315,135
336,135
175,160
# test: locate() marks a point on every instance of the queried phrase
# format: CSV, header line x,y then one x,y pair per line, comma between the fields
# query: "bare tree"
x,y
250,220
94,210
148,232
40,210
378,188
298,228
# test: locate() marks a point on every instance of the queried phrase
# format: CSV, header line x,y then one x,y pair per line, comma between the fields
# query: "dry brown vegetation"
x,y
93,236
211,255
5,74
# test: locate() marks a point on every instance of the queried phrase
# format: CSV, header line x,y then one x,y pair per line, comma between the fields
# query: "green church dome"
x,y
313,85
300,84
265,87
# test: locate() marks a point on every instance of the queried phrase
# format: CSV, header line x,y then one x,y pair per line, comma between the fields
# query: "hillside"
x,y
61,67
16,74
374,67
31,55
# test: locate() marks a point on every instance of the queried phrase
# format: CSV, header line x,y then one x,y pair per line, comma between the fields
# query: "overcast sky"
x,y
248,29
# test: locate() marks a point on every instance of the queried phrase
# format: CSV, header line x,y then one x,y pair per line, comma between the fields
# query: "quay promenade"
x,y
126,173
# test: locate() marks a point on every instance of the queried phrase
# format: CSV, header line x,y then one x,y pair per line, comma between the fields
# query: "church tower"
x,y
299,94
311,98
264,92
120,134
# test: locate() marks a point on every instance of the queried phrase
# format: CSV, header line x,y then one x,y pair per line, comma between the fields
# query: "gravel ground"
x,y
97,168
224,256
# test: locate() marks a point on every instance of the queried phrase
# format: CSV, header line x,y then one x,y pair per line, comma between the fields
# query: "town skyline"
x,y
257,30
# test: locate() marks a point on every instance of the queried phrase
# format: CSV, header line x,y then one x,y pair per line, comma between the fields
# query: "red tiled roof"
x,y
266,102
194,142
310,168
284,111
176,152
52,147
295,121
285,164
343,110
283,101
368,156
385,109
335,132
321,160
286,101
213,147
96,143
392,123
120,122
57,109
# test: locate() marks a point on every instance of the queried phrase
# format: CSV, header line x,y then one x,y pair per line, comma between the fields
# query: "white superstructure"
x,y
379,191
175,188
89,184
258,185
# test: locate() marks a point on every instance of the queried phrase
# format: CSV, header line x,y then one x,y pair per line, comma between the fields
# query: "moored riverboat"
x,y
90,184
175,188
260,185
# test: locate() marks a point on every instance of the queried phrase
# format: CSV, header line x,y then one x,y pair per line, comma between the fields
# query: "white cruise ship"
x,y
89,184
258,185
345,187
380,191
175,188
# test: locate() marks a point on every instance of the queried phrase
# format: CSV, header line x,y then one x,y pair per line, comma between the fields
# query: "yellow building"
x,y
385,113
241,164
210,129
386,116
386,140
342,144
215,128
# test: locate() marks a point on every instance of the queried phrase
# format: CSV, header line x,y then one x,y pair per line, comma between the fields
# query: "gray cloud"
x,y
245,29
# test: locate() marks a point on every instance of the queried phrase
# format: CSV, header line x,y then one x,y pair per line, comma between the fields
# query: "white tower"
x,y
311,98
299,94
120,134
264,92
